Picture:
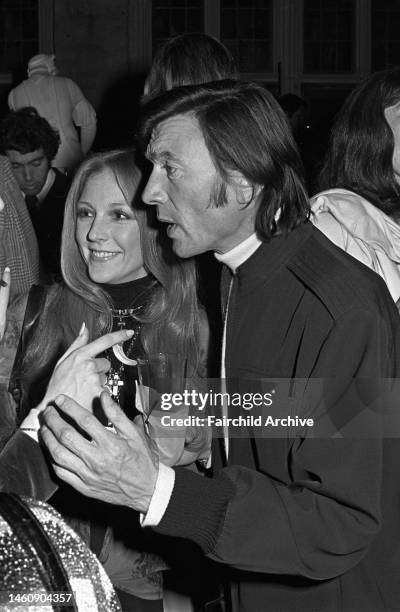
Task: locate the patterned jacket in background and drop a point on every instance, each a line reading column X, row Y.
column 18, row 244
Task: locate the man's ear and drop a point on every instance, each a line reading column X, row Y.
column 246, row 191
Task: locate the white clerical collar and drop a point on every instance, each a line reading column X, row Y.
column 238, row 255
column 48, row 184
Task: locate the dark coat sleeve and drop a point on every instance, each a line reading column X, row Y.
column 24, row 469
column 320, row 522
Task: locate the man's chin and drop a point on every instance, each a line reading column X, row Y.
column 184, row 251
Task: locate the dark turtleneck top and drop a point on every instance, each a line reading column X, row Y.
column 130, row 294
column 133, row 295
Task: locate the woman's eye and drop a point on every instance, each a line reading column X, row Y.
column 84, row 213
column 121, row 215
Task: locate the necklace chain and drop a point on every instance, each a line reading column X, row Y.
column 126, row 312
column 115, row 376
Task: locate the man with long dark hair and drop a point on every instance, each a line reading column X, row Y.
column 300, row 519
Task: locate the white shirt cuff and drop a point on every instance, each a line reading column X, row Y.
column 161, row 496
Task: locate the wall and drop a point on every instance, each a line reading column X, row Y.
column 101, row 44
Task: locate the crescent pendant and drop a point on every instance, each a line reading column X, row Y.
column 120, row 355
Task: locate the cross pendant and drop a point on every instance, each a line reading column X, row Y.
column 114, row 384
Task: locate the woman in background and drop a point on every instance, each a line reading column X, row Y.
column 358, row 206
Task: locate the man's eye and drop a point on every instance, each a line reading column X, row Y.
column 37, row 163
column 170, row 170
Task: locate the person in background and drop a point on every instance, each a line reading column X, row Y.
column 296, row 111
column 193, row 59
column 358, row 204
column 7, row 405
column 189, row 59
column 18, row 244
column 31, row 144
column 297, row 519
column 59, row 100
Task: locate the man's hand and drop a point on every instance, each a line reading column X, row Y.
column 118, row 468
column 4, row 298
column 79, row 374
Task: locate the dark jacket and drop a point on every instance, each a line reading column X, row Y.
column 47, row 219
column 298, row 522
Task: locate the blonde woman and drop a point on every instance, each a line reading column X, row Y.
column 121, row 276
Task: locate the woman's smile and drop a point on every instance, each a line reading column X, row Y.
column 102, row 255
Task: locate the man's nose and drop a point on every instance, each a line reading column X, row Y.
column 153, row 193
column 27, row 173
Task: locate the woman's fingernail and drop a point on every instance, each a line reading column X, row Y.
column 59, row 400
column 82, row 329
column 129, row 333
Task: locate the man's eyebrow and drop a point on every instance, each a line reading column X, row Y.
column 157, row 156
column 19, row 163
column 32, row 161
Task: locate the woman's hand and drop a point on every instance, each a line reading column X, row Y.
column 4, row 298
column 79, row 373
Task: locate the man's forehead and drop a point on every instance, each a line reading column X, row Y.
column 17, row 157
column 172, row 134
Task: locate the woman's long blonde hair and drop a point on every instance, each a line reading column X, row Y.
column 171, row 321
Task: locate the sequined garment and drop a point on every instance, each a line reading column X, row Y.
column 20, row 569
